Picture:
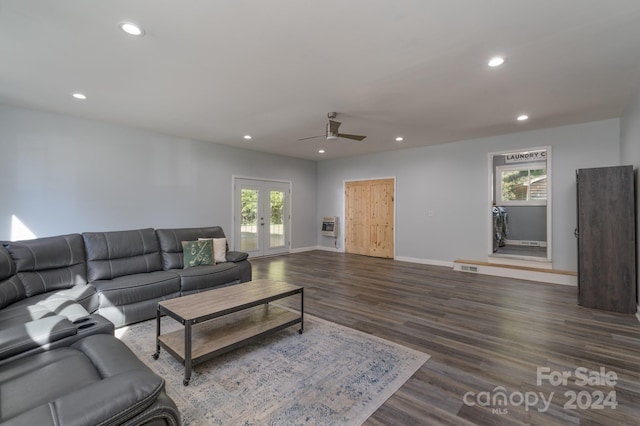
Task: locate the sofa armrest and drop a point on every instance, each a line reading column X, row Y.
column 236, row 256
column 23, row 337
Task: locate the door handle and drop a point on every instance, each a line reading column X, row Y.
column 576, row 233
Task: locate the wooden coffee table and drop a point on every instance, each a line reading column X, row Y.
column 222, row 319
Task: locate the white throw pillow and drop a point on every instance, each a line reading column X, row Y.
column 219, row 249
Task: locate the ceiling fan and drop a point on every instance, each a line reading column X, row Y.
column 332, row 131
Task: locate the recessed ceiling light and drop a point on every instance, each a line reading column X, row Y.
column 247, row 137
column 80, row 96
column 399, row 139
column 131, row 29
column 321, row 151
column 496, row 61
column 523, row 117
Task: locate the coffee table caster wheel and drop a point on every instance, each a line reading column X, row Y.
column 186, row 382
column 300, row 331
column 156, row 355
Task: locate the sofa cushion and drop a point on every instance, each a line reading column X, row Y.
column 207, row 277
column 84, row 295
column 136, row 288
column 97, row 380
column 11, row 288
column 22, row 385
column 33, row 334
column 171, row 242
column 7, row 265
column 197, row 253
column 41, row 306
column 49, row 263
column 115, row 254
column 11, row 291
column 133, row 312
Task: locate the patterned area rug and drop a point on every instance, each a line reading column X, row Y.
column 329, row 375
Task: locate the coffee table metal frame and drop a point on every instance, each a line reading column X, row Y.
column 286, row 319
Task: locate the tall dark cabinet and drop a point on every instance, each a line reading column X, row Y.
column 606, row 239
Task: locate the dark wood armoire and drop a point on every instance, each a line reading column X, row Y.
column 606, row 239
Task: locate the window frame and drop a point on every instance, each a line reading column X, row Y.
column 519, row 167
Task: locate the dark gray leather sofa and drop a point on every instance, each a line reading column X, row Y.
column 95, row 381
column 59, row 361
column 59, row 300
column 45, row 300
column 192, row 280
column 133, row 270
column 125, row 267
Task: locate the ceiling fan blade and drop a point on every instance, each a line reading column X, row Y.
column 334, row 126
column 354, row 137
column 312, row 137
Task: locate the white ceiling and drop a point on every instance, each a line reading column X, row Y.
column 217, row 70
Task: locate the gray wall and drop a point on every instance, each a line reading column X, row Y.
column 630, row 154
column 452, row 181
column 63, row 175
column 527, row 223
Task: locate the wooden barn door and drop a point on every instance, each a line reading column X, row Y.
column 369, row 217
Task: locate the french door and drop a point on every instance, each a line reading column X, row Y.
column 261, row 216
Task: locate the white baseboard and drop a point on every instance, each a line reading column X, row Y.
column 425, row 261
column 303, row 249
column 332, row 249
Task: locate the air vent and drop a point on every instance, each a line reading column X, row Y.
column 468, row 268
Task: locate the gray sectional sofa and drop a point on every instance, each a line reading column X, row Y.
column 133, row 270
column 61, row 298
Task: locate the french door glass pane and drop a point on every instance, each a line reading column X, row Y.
column 276, row 225
column 249, row 220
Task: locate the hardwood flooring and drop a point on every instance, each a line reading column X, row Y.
column 482, row 333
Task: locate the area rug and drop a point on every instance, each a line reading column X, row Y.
column 329, row 375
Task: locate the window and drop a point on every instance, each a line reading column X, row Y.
column 522, row 184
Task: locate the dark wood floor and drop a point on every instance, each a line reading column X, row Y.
column 482, row 332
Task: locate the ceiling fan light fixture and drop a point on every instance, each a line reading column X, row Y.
column 332, row 132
